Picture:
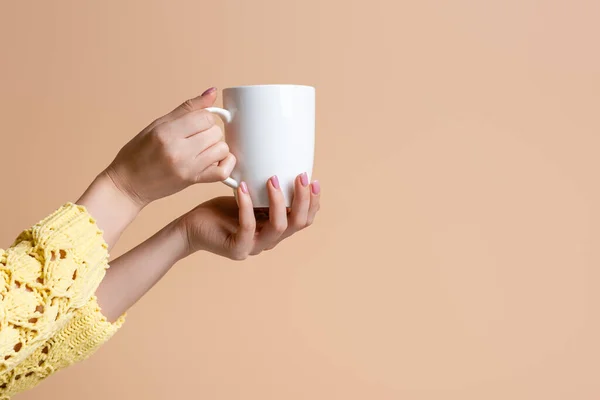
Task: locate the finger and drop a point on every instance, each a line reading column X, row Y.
column 206, row 99
column 200, row 142
column 298, row 217
column 298, row 214
column 277, row 224
column 243, row 239
column 315, row 199
column 214, row 154
column 218, row 171
column 189, row 124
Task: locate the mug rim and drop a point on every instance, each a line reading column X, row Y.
column 268, row 85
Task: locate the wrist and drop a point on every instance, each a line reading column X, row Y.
column 110, row 207
column 119, row 183
column 181, row 227
column 179, row 232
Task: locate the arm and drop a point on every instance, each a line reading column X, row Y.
column 51, row 272
column 135, row 272
column 175, row 151
column 110, row 206
column 89, row 326
column 219, row 226
column 54, row 268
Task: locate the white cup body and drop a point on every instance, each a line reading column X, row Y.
column 271, row 132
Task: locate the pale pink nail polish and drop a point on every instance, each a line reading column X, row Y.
column 275, row 181
column 244, row 187
column 304, row 179
column 209, row 91
column 316, row 187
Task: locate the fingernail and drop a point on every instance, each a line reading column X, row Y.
column 275, row 181
column 244, row 187
column 209, row 91
column 316, row 187
column 304, row 179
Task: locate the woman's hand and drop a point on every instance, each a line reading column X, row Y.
column 218, row 226
column 223, row 228
column 175, row 151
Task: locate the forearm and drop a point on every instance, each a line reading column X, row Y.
column 110, row 207
column 134, row 273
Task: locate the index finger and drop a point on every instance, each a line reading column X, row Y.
column 206, row 99
column 244, row 237
column 191, row 123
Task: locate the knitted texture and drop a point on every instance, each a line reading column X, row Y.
column 79, row 339
column 49, row 273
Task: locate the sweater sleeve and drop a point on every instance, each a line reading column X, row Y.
column 50, row 272
column 79, row 339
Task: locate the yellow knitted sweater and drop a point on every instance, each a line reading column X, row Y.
column 49, row 317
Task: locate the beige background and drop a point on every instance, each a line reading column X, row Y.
column 458, row 248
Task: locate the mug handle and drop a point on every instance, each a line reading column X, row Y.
column 226, row 117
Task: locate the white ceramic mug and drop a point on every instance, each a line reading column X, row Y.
column 271, row 131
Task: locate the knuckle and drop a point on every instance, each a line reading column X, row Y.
column 189, row 178
column 217, row 153
column 222, row 150
column 154, row 124
column 280, row 227
column 214, row 134
column 172, row 157
column 248, row 226
column 160, row 135
column 271, row 246
column 297, row 224
column 222, row 174
column 188, row 105
column 184, row 175
column 239, row 255
column 224, row 147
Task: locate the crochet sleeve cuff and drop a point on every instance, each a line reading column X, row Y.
column 49, row 272
column 76, row 341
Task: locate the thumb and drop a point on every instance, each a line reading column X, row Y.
column 206, row 99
